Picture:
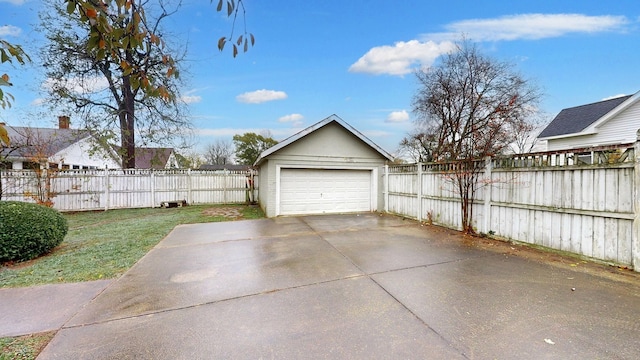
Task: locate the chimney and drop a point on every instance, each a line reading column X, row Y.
column 63, row 122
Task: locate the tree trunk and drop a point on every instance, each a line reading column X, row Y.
column 127, row 125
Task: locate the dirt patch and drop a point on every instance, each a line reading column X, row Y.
column 229, row 212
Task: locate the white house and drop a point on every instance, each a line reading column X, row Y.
column 65, row 148
column 61, row 148
column 609, row 122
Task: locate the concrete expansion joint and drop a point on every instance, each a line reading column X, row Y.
column 163, row 311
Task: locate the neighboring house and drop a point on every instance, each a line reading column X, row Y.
column 329, row 167
column 61, row 148
column 65, row 148
column 608, row 122
column 156, row 158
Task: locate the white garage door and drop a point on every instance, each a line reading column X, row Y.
column 315, row 191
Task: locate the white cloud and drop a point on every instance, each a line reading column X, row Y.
column 9, row 30
column 533, row 26
column 401, row 57
column 398, row 116
column 191, row 99
column 260, row 96
column 294, row 119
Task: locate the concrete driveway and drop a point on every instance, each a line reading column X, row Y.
column 349, row 286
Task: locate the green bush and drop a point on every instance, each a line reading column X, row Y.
column 29, row 230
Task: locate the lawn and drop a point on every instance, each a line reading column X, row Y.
column 24, row 347
column 105, row 244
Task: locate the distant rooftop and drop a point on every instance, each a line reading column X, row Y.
column 575, row 119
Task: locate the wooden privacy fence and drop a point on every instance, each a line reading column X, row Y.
column 78, row 190
column 585, row 201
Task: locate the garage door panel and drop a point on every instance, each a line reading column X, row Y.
column 316, row 191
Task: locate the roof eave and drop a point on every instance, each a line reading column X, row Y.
column 613, row 112
column 564, row 136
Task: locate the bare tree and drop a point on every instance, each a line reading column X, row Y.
column 419, row 145
column 470, row 103
column 36, row 150
column 526, row 133
column 220, row 152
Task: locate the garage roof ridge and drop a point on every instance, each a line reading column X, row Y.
column 316, row 126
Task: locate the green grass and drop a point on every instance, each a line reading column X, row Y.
column 24, row 347
column 103, row 245
column 99, row 245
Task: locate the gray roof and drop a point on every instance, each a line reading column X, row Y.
column 333, row 118
column 29, row 142
column 152, row 158
column 576, row 119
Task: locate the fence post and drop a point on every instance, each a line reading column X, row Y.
column 106, row 188
column 419, row 191
column 635, row 236
column 189, row 187
column 224, row 186
column 487, row 195
column 152, row 183
column 386, row 188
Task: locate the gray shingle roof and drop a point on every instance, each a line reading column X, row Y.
column 32, row 141
column 152, row 158
column 574, row 120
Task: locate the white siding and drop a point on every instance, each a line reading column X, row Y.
column 620, row 129
column 85, row 154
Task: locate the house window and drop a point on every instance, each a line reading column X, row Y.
column 31, row 165
column 6, row 165
column 65, row 166
column 76, row 167
column 53, row 165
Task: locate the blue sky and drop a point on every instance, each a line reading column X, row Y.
column 355, row 59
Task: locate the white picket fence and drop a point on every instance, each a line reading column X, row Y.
column 543, row 199
column 79, row 190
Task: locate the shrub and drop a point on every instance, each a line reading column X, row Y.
column 29, row 230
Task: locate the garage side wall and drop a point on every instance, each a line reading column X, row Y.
column 330, row 147
column 263, row 183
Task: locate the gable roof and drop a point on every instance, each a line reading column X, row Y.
column 152, row 158
column 576, row 119
column 32, row 141
column 316, row 126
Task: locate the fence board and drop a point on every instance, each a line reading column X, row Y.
column 78, row 190
column 547, row 200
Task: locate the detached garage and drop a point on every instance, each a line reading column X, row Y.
column 326, row 168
